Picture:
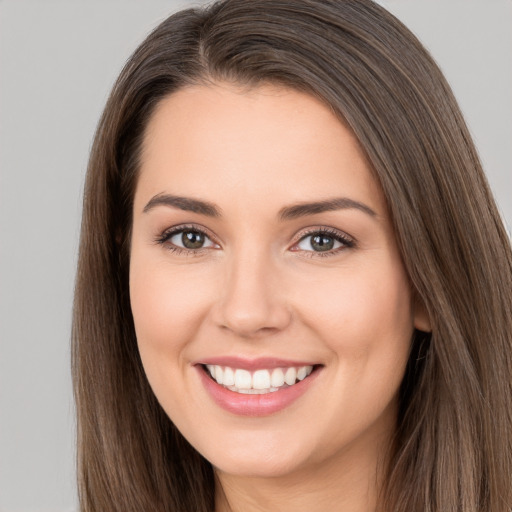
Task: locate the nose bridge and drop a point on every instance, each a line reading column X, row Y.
column 252, row 302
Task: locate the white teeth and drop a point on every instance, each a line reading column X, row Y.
column 253, row 391
column 229, row 377
column 243, row 379
column 277, row 378
column 219, row 373
column 290, row 376
column 261, row 381
column 302, row 373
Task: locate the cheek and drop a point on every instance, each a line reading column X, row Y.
column 365, row 319
column 362, row 314
column 167, row 306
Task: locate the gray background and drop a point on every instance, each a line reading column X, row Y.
column 58, row 60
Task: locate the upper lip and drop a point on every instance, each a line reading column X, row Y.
column 252, row 364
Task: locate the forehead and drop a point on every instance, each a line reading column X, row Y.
column 271, row 142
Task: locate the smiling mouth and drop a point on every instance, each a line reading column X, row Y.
column 258, row 382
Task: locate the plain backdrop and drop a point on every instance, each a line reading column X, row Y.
column 58, row 60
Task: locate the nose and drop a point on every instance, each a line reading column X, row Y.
column 252, row 301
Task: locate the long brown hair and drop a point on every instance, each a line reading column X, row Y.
column 453, row 446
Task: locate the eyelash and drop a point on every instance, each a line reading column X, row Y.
column 164, row 238
column 346, row 241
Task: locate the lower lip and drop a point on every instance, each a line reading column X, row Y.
column 255, row 405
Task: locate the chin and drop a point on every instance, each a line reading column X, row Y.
column 259, row 458
column 258, row 467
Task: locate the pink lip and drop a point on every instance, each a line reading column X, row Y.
column 259, row 363
column 255, row 405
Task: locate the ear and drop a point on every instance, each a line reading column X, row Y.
column 421, row 318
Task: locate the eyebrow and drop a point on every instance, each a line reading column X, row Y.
column 337, row 203
column 183, row 203
column 189, row 204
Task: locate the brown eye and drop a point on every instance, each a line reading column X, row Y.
column 192, row 239
column 188, row 239
column 323, row 242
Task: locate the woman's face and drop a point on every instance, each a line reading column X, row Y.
column 262, row 253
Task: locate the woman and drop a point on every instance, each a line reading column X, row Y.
column 294, row 288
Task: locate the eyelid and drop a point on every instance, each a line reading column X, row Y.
column 164, row 237
column 348, row 241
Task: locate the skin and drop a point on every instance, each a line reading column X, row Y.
column 259, row 288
